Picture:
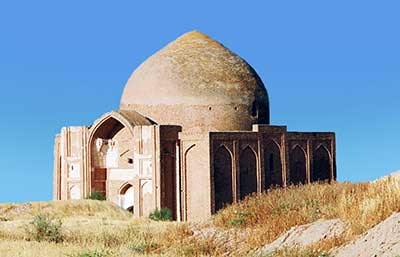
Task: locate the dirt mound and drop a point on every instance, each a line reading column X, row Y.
column 394, row 175
column 305, row 235
column 383, row 240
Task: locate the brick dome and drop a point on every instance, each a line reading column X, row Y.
column 199, row 84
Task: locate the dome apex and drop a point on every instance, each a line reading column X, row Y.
column 194, row 34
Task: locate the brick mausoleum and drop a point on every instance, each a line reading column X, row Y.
column 192, row 134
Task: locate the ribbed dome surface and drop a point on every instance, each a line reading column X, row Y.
column 197, row 76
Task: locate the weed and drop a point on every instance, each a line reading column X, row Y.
column 290, row 252
column 164, row 214
column 137, row 247
column 239, row 220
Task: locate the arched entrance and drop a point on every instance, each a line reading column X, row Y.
column 111, row 147
column 127, row 198
column 222, row 178
column 248, row 172
column 272, row 165
column 321, row 165
column 298, row 168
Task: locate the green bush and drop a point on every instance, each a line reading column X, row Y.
column 96, row 195
column 164, row 214
column 43, row 228
column 239, row 220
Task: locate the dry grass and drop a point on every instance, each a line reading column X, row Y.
column 97, row 227
column 320, row 249
column 93, row 226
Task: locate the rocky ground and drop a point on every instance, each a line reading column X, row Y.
column 305, row 235
column 383, row 240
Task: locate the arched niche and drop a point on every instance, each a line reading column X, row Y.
column 321, row 169
column 197, row 182
column 272, row 165
column 74, row 192
column 248, row 172
column 146, row 199
column 298, row 168
column 222, row 178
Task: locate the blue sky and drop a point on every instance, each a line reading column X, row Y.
column 328, row 66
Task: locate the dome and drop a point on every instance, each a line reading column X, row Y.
column 197, row 83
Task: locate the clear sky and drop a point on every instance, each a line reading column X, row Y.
column 328, row 66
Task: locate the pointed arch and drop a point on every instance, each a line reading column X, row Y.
column 102, row 150
column 223, row 191
column 188, row 149
column 124, row 187
column 127, row 119
column 321, row 170
column 272, row 165
column 298, row 166
column 248, row 172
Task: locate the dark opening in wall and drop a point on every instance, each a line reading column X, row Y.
column 298, row 167
column 223, row 193
column 321, row 169
column 248, row 172
column 271, row 162
column 273, row 166
column 254, row 109
column 130, row 160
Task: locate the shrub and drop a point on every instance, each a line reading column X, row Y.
column 94, row 253
column 138, row 247
column 164, row 214
column 43, row 228
column 96, row 195
column 290, row 252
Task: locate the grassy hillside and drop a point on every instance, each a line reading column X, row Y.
column 63, row 209
column 361, row 206
column 100, row 229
